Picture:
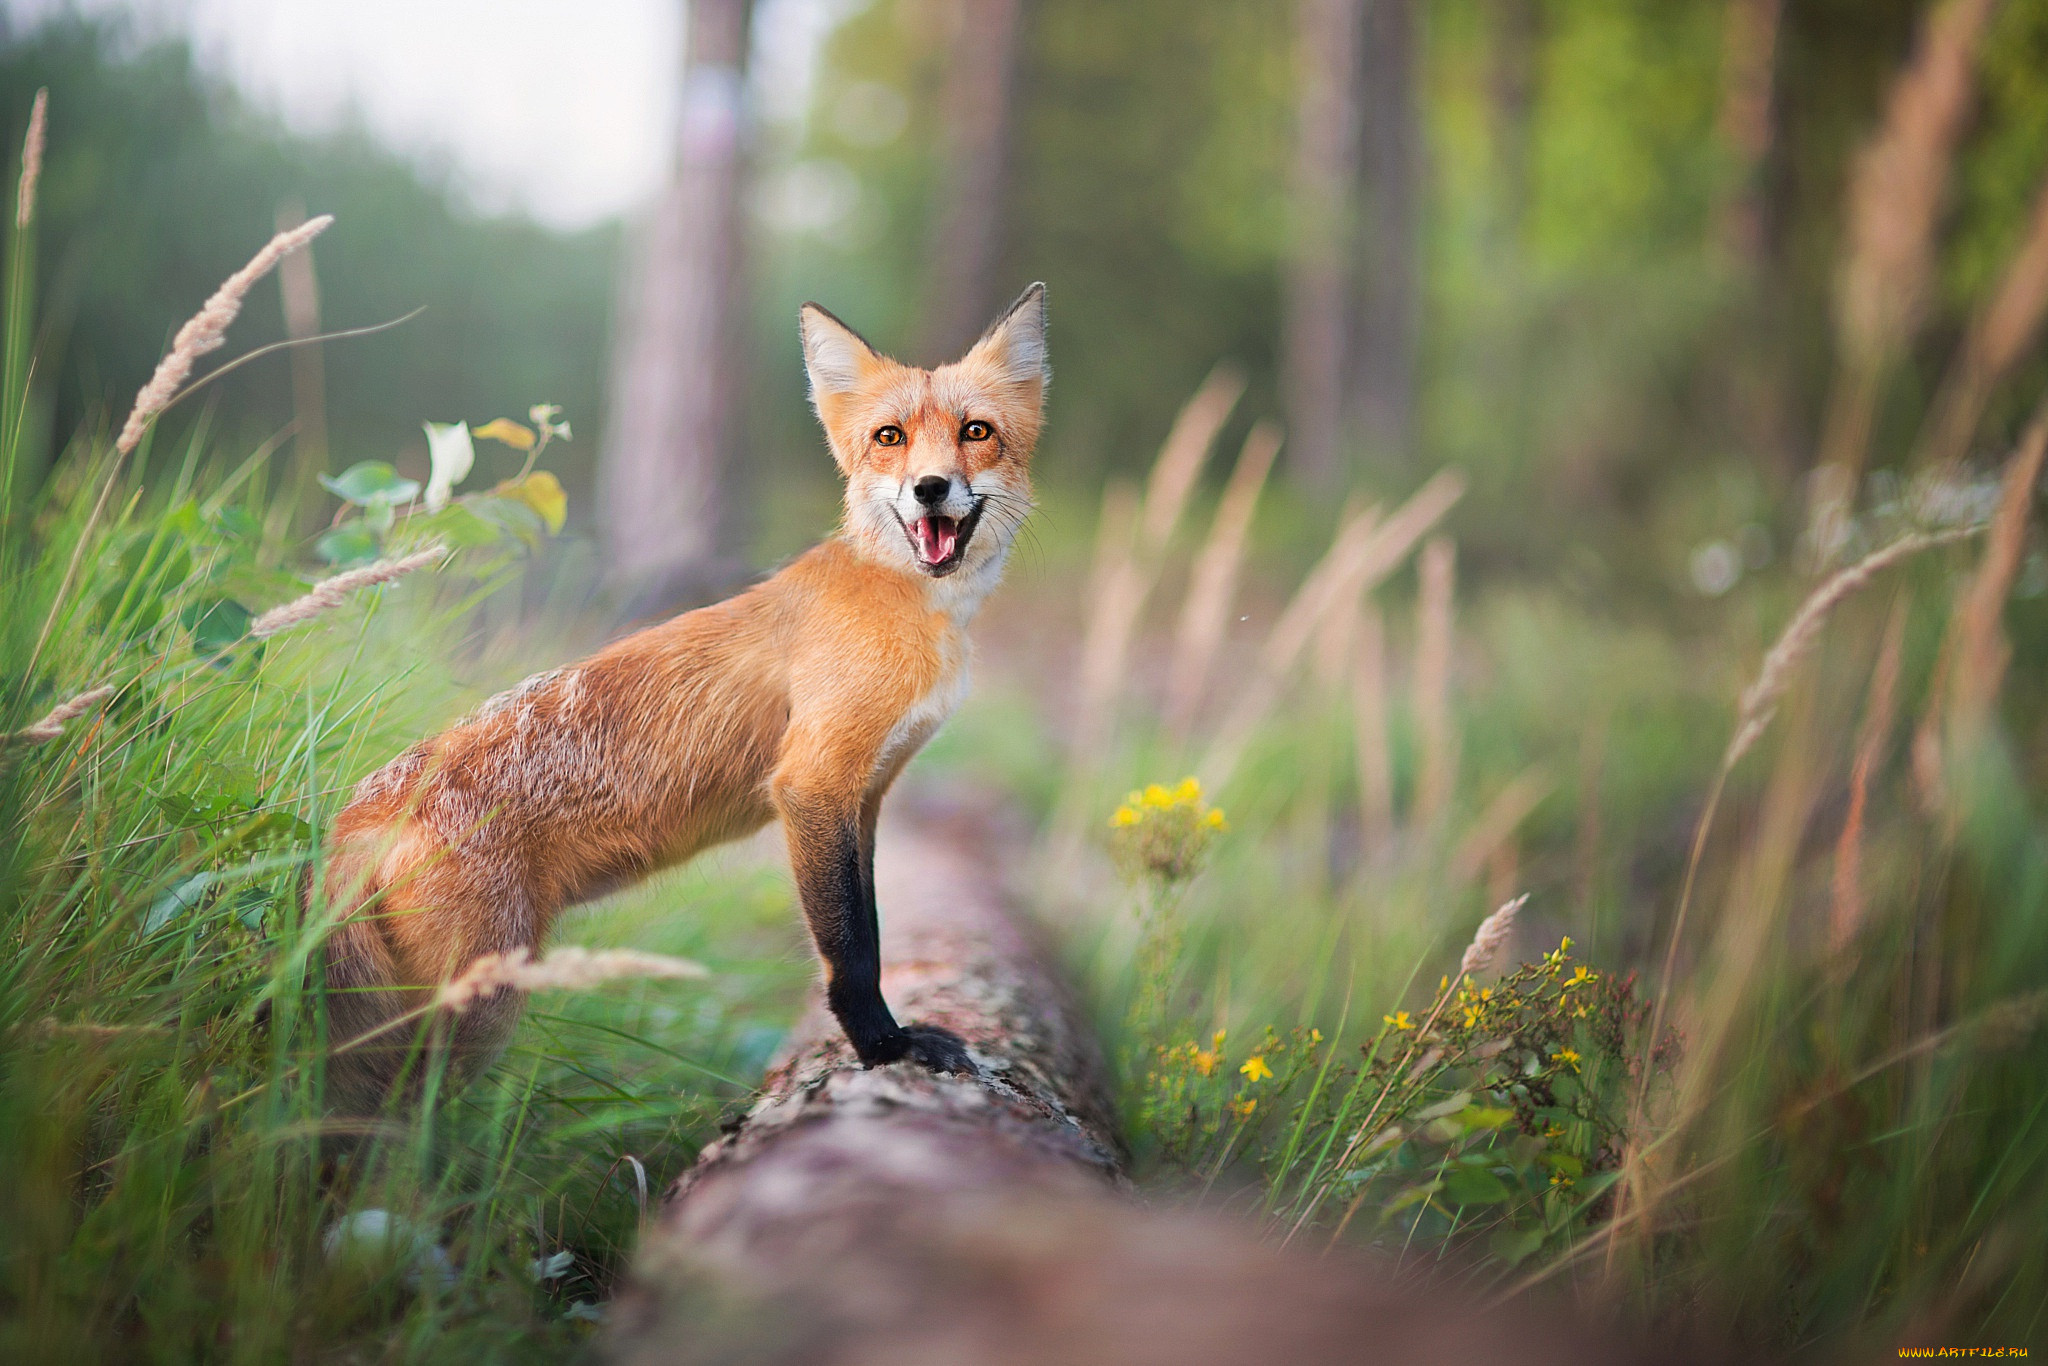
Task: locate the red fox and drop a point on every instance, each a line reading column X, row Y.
column 801, row 698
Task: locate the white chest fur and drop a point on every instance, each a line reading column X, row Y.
column 924, row 717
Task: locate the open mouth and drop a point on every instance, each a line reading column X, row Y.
column 940, row 542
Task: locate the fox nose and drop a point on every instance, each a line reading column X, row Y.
column 932, row 489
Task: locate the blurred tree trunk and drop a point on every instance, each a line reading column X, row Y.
column 1511, row 89
column 299, row 288
column 1326, row 170
column 1749, row 53
column 1757, row 401
column 672, row 534
column 960, row 292
column 1389, row 294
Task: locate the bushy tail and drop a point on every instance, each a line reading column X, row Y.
column 384, row 1037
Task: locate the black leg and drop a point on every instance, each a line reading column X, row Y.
column 834, row 868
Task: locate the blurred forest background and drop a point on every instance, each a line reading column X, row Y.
column 1644, row 317
column 1587, row 253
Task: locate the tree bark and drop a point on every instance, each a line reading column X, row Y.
column 1389, row 298
column 1317, row 340
column 672, row 529
column 967, row 240
column 856, row 1218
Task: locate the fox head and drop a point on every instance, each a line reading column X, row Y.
column 937, row 462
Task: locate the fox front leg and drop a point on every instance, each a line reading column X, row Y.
column 834, row 867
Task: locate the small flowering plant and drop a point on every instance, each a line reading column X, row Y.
column 380, row 507
column 1495, row 1116
column 1163, row 833
column 1159, row 837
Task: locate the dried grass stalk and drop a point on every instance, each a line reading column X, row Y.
column 330, row 593
column 1971, row 667
column 1431, row 702
column 1749, row 47
column 207, row 329
column 1497, row 824
column 63, row 714
column 1213, row 584
column 32, row 159
column 1490, row 938
column 566, row 969
column 1982, row 652
column 1360, row 557
column 1341, row 565
column 1369, row 731
column 1845, row 911
column 1180, row 459
column 1895, row 196
column 1900, row 179
column 1998, row 337
column 1760, row 699
column 1127, row 567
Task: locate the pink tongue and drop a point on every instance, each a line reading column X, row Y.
column 936, row 536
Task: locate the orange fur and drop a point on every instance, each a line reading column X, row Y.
column 800, row 699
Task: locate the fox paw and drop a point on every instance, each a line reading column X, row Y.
column 939, row 1050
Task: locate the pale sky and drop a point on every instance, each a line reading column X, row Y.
column 559, row 108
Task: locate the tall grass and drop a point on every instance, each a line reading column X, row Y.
column 170, row 756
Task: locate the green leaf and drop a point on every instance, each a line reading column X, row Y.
column 237, row 523
column 180, row 899
column 1412, row 1196
column 371, row 481
column 347, row 545
column 1485, row 1117
column 1513, row 1246
column 216, row 625
column 454, row 526
column 1445, row 1107
column 515, row 517
column 1563, row 1162
column 1473, row 1186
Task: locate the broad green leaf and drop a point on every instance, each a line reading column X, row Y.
column 1413, row 1195
column 509, row 513
column 371, row 481
column 353, row 543
column 1445, row 1107
column 180, row 899
column 1513, row 1246
column 1473, row 1186
column 456, row 526
column 216, row 625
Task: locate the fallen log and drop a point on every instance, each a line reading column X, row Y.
column 859, row 1217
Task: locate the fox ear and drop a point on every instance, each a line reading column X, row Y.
column 1015, row 342
column 834, row 354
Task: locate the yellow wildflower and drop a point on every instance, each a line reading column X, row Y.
column 1580, row 976
column 1204, row 1061
column 1124, row 816
column 1214, row 820
column 1399, row 1020
column 1255, row 1068
column 1567, row 1056
column 1156, row 796
column 1553, row 1131
column 1189, row 791
column 1216, row 1039
column 1243, row 1108
column 1560, row 1180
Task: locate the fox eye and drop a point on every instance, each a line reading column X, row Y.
column 976, row 431
column 891, row 435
